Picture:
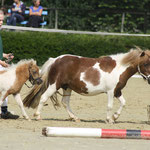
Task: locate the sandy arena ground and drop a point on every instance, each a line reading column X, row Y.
column 26, row 135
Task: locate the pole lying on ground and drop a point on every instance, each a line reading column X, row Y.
column 96, row 133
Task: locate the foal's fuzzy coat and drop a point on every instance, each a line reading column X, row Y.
column 13, row 78
column 88, row 76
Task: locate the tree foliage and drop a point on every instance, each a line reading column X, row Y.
column 94, row 15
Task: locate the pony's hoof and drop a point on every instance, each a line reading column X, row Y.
column 29, row 119
column 74, row 119
column 70, row 119
column 35, row 115
column 115, row 116
column 110, row 121
column 77, row 120
column 38, row 117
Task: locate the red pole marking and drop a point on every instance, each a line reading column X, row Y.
column 145, row 134
column 113, row 133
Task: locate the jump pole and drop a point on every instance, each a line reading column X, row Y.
column 95, row 133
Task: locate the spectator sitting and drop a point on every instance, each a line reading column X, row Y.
column 17, row 13
column 35, row 14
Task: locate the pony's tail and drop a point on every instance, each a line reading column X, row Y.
column 33, row 98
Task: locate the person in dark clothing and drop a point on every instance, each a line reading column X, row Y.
column 35, row 14
column 17, row 13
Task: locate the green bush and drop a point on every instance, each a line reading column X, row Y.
column 41, row 46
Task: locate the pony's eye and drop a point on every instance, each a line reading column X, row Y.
column 34, row 72
column 145, row 65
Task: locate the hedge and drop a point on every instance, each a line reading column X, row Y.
column 41, row 46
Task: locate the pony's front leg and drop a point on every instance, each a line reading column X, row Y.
column 109, row 118
column 122, row 104
column 19, row 101
column 65, row 102
column 49, row 92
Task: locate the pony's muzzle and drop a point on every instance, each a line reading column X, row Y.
column 38, row 81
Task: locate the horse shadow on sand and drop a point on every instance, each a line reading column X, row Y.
column 68, row 120
column 97, row 121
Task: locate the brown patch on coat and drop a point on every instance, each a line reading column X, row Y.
column 92, row 75
column 123, row 80
column 66, row 71
column 107, row 64
column 22, row 76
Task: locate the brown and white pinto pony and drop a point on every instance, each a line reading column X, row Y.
column 89, row 76
column 13, row 78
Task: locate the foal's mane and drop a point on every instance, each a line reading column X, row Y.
column 21, row 62
column 132, row 57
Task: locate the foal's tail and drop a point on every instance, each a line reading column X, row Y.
column 33, row 98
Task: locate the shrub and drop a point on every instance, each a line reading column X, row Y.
column 41, row 45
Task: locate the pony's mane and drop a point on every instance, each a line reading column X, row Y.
column 132, row 57
column 46, row 65
column 21, row 62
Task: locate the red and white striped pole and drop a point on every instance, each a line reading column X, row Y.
column 96, row 133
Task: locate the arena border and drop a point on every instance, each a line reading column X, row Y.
column 96, row 133
column 18, row 28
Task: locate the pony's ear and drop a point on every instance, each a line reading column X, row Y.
column 142, row 54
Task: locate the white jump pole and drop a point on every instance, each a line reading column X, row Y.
column 71, row 132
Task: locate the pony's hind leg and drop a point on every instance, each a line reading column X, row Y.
column 65, row 102
column 122, row 104
column 19, row 101
column 49, row 92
